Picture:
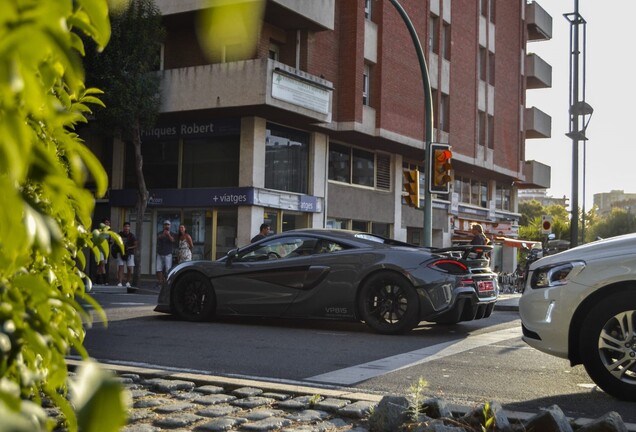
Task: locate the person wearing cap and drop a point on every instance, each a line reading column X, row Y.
column 165, row 246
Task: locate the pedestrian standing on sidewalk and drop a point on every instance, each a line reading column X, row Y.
column 184, row 251
column 165, row 246
column 262, row 233
column 128, row 258
column 102, row 273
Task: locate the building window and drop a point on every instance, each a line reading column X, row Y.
column 484, row 7
column 481, row 128
column 286, row 159
column 471, row 191
column 502, row 197
column 444, row 113
column 358, row 167
column 363, row 168
column 492, row 11
column 367, row 9
column 433, row 33
column 339, row 163
column 491, row 68
column 360, row 225
column 210, row 162
column 334, row 223
column 491, row 132
column 161, row 165
column 446, row 41
column 366, row 83
column 274, row 51
column 483, row 63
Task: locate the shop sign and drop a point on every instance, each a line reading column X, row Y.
column 308, row 203
column 300, row 92
column 193, row 129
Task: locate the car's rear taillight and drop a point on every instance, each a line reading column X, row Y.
column 450, row 266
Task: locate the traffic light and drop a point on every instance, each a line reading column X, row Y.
column 440, row 167
column 412, row 187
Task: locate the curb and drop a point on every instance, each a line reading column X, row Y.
column 297, row 389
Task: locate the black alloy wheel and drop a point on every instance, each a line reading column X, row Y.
column 389, row 304
column 608, row 345
column 193, row 297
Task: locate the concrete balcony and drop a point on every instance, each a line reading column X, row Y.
column 538, row 72
column 290, row 14
column 246, row 84
column 539, row 22
column 537, row 123
column 537, row 175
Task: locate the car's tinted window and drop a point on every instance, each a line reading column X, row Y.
column 289, row 247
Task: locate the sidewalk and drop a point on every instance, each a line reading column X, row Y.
column 508, row 302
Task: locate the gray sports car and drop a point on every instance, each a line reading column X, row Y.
column 332, row 274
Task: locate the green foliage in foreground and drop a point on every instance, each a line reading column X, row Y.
column 45, row 213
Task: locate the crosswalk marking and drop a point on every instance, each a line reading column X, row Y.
column 355, row 374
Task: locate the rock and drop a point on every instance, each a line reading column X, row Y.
column 390, row 414
column 610, row 422
column 550, row 420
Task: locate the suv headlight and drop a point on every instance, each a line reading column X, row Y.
column 555, row 274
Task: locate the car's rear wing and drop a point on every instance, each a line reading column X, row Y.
column 477, row 257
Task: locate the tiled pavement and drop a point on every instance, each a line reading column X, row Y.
column 168, row 401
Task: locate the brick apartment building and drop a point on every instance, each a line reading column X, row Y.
column 316, row 127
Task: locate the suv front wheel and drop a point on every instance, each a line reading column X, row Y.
column 608, row 345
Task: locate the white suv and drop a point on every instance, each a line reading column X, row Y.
column 581, row 305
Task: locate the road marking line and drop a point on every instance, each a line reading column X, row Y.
column 355, row 374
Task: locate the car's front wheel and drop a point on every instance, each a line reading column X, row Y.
column 608, row 345
column 389, row 304
column 193, row 297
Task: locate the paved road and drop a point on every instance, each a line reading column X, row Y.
column 464, row 364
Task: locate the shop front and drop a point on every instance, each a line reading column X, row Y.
column 210, row 216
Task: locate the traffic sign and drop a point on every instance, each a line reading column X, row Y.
column 546, row 224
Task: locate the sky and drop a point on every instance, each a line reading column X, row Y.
column 610, row 152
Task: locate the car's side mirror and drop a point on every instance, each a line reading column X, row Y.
column 231, row 254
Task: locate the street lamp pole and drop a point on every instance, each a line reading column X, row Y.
column 428, row 121
column 578, row 108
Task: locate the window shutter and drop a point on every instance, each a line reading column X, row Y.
column 383, row 172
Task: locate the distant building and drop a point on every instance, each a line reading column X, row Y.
column 541, row 196
column 606, row 201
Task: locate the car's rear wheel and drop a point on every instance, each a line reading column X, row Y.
column 389, row 304
column 608, row 345
column 193, row 297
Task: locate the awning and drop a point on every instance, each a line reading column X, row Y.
column 517, row 243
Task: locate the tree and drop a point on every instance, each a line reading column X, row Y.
column 618, row 222
column 46, row 215
column 530, row 223
column 125, row 71
column 530, row 210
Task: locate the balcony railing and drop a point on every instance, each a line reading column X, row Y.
column 539, row 22
column 250, row 84
column 538, row 72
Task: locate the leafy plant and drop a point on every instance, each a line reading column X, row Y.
column 46, row 210
column 416, row 397
column 489, row 418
